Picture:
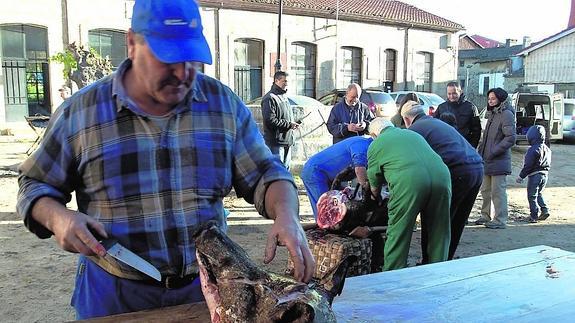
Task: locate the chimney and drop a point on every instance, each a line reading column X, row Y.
column 527, row 40
column 571, row 23
column 511, row 42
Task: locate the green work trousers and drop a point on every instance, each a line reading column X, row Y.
column 426, row 191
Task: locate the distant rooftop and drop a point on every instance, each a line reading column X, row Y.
column 548, row 40
column 490, row 54
column 382, row 12
column 486, row 42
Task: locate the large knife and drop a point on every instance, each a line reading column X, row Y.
column 116, row 250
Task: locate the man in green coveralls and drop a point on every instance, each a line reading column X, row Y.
column 419, row 182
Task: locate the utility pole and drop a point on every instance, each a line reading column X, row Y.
column 278, row 65
column 336, row 43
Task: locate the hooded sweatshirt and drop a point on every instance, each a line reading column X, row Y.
column 538, row 156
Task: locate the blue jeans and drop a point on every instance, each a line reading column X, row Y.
column 98, row 293
column 283, row 153
column 535, row 186
column 316, row 183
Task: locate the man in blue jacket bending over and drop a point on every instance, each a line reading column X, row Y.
column 463, row 161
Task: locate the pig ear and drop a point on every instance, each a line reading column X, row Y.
column 290, row 311
column 332, row 282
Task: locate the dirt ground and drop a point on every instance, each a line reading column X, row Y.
column 36, row 277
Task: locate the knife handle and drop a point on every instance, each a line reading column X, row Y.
column 106, row 242
column 95, row 234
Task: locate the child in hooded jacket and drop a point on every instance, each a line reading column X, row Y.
column 536, row 168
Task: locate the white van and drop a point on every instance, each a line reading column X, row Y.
column 538, row 109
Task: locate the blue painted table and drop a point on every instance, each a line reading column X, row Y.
column 535, row 284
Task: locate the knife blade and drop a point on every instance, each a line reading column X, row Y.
column 121, row 253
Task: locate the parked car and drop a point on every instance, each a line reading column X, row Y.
column 569, row 119
column 429, row 101
column 378, row 101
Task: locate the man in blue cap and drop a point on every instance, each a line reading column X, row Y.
column 151, row 151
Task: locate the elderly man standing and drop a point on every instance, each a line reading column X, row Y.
column 349, row 117
column 278, row 119
column 418, row 183
column 466, row 114
column 463, row 161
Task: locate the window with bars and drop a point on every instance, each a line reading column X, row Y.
column 424, row 71
column 25, row 70
column 390, row 64
column 248, row 68
column 303, row 66
column 351, row 65
column 109, row 43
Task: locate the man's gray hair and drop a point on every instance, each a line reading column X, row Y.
column 411, row 109
column 354, row 86
column 377, row 125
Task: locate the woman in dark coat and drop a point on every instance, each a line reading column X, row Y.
column 495, row 149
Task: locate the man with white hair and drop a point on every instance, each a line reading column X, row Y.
column 418, row 183
column 349, row 117
column 463, row 161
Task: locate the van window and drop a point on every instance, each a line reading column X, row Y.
column 556, row 108
column 569, row 109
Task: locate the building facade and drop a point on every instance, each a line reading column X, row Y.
column 551, row 62
column 323, row 45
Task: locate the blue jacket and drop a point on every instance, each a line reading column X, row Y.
column 538, row 156
column 335, row 158
column 342, row 114
column 455, row 151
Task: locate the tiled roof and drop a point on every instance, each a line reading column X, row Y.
column 384, row 12
column 486, row 42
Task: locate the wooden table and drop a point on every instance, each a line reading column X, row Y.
column 535, row 284
column 196, row 312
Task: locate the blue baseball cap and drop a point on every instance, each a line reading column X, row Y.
column 173, row 30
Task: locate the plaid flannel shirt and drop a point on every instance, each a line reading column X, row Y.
column 150, row 187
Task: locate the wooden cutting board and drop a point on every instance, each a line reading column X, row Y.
column 196, row 312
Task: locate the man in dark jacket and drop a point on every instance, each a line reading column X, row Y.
column 536, row 167
column 278, row 119
column 349, row 117
column 466, row 114
column 495, row 148
column 464, row 163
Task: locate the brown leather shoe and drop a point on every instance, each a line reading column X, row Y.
column 543, row 216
